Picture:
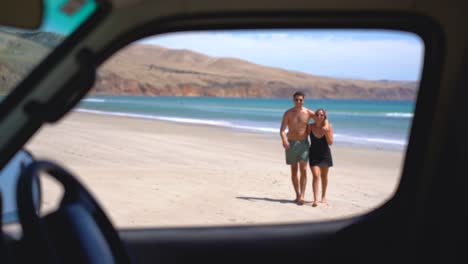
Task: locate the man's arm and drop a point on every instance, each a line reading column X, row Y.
column 312, row 114
column 284, row 124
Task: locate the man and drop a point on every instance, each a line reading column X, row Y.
column 295, row 142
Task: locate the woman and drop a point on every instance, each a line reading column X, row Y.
column 320, row 159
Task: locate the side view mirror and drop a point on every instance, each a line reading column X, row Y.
column 9, row 176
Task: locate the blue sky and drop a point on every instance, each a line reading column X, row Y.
column 357, row 54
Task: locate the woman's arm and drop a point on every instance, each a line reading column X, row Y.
column 329, row 134
column 326, row 124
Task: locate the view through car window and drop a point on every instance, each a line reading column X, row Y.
column 243, row 127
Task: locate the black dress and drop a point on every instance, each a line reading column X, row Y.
column 319, row 152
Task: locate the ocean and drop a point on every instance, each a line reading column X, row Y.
column 359, row 123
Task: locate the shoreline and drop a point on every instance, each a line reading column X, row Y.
column 154, row 173
column 240, row 130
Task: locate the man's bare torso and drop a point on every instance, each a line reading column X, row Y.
column 297, row 121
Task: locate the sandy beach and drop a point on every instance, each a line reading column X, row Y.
column 156, row 173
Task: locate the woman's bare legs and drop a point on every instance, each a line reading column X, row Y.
column 324, row 178
column 315, row 183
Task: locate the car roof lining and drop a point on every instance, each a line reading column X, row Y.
column 13, row 14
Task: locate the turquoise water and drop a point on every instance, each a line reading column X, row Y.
column 366, row 123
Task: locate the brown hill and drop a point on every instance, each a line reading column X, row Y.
column 18, row 56
column 154, row 70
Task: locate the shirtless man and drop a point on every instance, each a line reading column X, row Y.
column 295, row 142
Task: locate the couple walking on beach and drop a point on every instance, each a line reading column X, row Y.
column 299, row 151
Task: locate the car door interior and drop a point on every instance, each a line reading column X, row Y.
column 383, row 235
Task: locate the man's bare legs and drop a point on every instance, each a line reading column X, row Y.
column 303, row 169
column 299, row 186
column 315, row 183
column 324, row 178
column 295, row 181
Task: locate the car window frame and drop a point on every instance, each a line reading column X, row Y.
column 429, row 30
column 425, row 27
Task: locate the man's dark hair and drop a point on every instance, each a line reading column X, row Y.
column 298, row 94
